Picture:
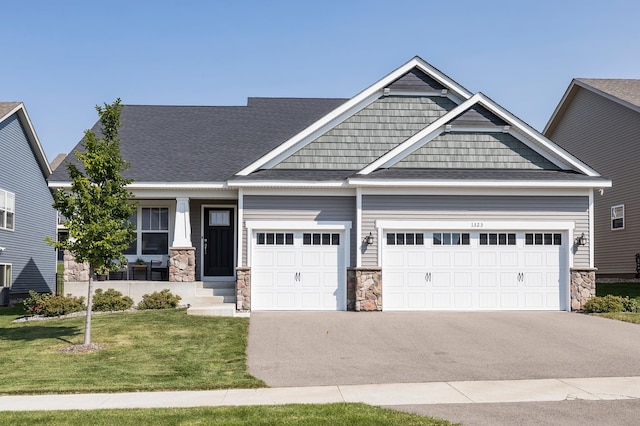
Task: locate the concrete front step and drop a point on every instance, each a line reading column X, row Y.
column 224, row 289
column 215, row 310
column 209, row 300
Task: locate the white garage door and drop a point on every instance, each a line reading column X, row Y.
column 458, row 270
column 298, row 270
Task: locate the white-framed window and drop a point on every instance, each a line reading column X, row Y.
column 7, row 210
column 5, row 275
column 617, row 217
column 152, row 231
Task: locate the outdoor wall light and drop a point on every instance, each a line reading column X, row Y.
column 2, row 249
column 369, row 239
column 581, row 240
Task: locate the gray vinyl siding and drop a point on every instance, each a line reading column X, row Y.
column 461, row 150
column 195, row 210
column 606, row 135
column 475, row 208
column 33, row 261
column 293, row 208
column 370, row 133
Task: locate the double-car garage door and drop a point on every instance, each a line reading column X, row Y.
column 422, row 269
column 462, row 270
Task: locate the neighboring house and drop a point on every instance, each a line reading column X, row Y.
column 27, row 262
column 415, row 194
column 599, row 120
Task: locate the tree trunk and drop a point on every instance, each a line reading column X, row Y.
column 87, row 323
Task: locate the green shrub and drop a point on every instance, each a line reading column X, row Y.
column 34, row 304
column 159, row 300
column 630, row 305
column 62, row 305
column 602, row 304
column 110, row 300
column 48, row 305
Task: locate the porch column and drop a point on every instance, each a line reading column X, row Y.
column 182, row 254
column 182, row 228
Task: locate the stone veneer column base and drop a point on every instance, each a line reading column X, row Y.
column 74, row 271
column 583, row 286
column 182, row 264
column 364, row 289
column 243, row 288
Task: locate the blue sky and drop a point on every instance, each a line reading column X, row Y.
column 62, row 58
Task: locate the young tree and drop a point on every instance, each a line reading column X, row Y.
column 97, row 207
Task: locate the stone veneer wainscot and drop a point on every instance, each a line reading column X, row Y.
column 364, row 289
column 583, row 286
column 243, row 288
column 182, row 264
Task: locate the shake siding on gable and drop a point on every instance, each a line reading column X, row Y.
column 472, row 208
column 297, row 208
column 476, row 150
column 606, row 136
column 370, row 133
column 33, row 261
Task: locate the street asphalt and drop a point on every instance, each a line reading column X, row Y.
column 345, row 348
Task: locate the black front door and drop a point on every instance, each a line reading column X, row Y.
column 218, row 242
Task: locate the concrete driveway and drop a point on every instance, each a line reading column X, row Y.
column 340, row 348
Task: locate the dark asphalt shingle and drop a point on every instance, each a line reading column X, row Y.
column 207, row 143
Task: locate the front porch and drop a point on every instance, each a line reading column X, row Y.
column 202, row 298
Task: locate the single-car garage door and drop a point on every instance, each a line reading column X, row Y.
column 460, row 270
column 298, row 270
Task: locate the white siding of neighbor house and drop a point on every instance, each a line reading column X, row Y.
column 606, row 136
column 480, row 208
column 298, row 208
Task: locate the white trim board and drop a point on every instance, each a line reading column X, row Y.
column 347, row 109
column 475, row 225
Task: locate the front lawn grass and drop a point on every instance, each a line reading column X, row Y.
column 145, row 351
column 299, row 414
column 633, row 317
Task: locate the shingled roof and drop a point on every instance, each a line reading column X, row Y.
column 6, row 107
column 627, row 90
column 206, row 143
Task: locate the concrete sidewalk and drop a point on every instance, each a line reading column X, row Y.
column 600, row 388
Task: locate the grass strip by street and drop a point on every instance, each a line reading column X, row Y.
column 144, row 351
column 633, row 317
column 298, row 414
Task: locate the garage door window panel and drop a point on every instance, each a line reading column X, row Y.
column 405, row 239
column 497, row 239
column 320, row 239
column 274, row 238
column 451, row 239
column 542, row 239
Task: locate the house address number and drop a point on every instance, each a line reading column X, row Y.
column 477, row 224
